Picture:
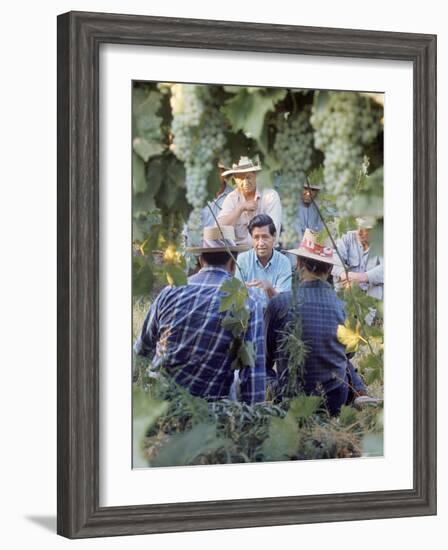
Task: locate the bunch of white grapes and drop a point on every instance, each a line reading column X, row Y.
column 198, row 129
column 293, row 147
column 343, row 124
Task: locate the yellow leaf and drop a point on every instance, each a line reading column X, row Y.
column 348, row 337
column 172, row 256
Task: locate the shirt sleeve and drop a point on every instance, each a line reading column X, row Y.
column 253, row 379
column 376, row 275
column 146, row 343
column 273, row 207
column 283, row 282
column 343, row 248
column 241, row 268
column 228, row 206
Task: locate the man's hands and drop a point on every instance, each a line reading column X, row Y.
column 248, row 206
column 264, row 285
column 353, row 277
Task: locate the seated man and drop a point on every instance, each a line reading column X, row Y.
column 263, row 268
column 364, row 269
column 326, row 369
column 307, row 214
column 182, row 331
column 245, row 202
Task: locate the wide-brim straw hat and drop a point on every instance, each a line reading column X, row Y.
column 218, row 239
column 365, row 222
column 244, row 165
column 309, row 248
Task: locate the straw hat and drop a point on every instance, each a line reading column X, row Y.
column 309, row 248
column 366, row 222
column 218, row 239
column 244, row 165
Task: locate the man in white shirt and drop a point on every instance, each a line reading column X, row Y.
column 245, row 202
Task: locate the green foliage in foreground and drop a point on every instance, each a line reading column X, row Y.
column 185, row 430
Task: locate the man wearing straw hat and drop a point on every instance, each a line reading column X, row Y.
column 245, row 202
column 326, row 370
column 183, row 332
column 364, row 268
column 307, row 214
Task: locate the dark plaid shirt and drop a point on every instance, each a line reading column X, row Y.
column 320, row 312
column 183, row 332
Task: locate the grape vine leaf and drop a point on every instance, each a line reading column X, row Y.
column 146, row 149
column 283, row 439
column 185, row 448
column 138, row 174
column 235, row 295
column 246, row 111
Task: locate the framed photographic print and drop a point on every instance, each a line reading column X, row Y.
column 246, row 274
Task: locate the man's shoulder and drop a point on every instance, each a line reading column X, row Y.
column 270, row 194
column 281, row 259
column 232, row 195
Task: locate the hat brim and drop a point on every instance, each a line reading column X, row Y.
column 302, row 253
column 315, row 187
column 241, row 170
column 212, row 250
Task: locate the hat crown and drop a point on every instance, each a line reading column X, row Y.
column 243, row 165
column 311, row 248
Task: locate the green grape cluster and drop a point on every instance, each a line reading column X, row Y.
column 343, row 124
column 293, row 147
column 198, row 137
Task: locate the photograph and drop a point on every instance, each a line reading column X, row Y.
column 257, row 274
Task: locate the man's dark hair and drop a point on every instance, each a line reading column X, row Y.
column 217, row 258
column 262, row 220
column 316, row 267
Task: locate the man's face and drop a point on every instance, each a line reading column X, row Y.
column 246, row 182
column 363, row 236
column 309, row 195
column 263, row 242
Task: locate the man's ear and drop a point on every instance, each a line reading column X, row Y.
column 201, row 261
column 232, row 266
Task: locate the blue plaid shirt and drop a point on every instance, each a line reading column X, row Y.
column 183, row 331
column 320, row 312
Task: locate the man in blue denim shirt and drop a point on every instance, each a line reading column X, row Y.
column 307, row 214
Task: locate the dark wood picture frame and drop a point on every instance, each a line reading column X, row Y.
column 79, row 38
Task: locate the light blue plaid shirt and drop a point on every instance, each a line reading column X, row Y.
column 277, row 271
column 182, row 331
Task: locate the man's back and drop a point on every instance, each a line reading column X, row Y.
column 320, row 312
column 183, row 328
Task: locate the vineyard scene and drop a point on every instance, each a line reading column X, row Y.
column 257, row 274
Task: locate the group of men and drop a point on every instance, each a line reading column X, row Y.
column 183, row 330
